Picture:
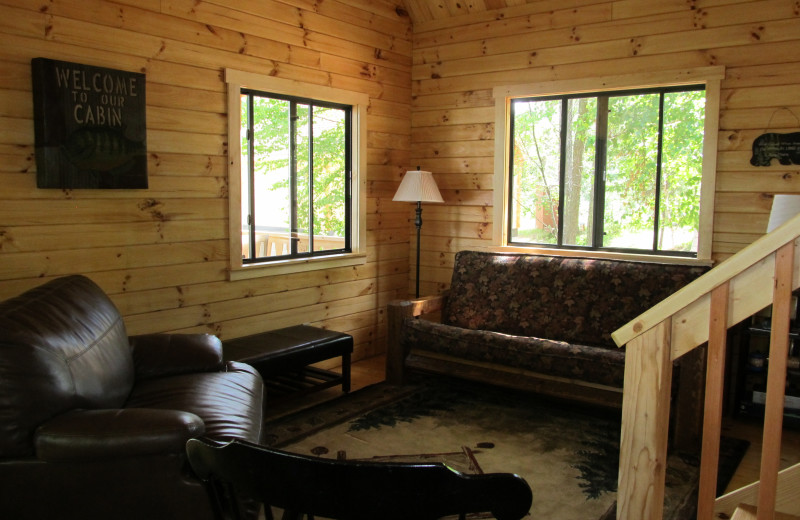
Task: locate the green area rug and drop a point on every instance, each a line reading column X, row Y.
column 568, row 454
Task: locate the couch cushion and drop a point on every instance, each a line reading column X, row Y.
column 229, row 403
column 544, row 356
column 63, row 345
column 577, row 300
column 96, row 435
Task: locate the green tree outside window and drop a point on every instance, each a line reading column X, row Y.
column 616, row 170
column 295, row 183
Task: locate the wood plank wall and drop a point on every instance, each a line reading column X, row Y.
column 161, row 253
column 458, row 60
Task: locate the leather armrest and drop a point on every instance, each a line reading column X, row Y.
column 89, row 435
column 158, row 355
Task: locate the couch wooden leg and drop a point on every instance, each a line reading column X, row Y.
column 395, row 352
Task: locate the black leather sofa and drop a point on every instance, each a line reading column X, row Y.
column 93, row 423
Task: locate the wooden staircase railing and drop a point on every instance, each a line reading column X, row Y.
column 788, row 494
column 764, row 273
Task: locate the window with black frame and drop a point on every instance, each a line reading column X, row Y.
column 615, row 171
column 296, row 177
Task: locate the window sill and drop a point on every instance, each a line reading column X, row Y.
column 607, row 255
column 297, row 265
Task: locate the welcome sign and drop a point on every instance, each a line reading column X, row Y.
column 90, row 126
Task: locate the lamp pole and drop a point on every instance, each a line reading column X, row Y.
column 418, row 223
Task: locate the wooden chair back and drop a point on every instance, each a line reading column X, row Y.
column 350, row 490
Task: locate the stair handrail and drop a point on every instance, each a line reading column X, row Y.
column 701, row 288
column 739, row 287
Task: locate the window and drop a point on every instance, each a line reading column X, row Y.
column 297, row 167
column 623, row 170
column 616, row 171
column 296, row 164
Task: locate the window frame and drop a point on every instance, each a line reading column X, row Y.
column 599, row 181
column 710, row 77
column 237, row 80
column 251, row 94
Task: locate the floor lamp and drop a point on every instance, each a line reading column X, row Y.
column 418, row 186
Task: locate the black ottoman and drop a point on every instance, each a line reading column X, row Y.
column 283, row 356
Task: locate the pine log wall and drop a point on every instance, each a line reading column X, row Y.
column 161, row 253
column 458, row 60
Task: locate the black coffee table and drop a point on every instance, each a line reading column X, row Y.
column 283, row 356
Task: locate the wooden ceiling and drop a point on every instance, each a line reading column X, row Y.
column 423, row 11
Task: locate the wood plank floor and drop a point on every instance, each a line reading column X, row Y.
column 749, row 468
column 370, row 371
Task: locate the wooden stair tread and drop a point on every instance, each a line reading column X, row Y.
column 748, row 512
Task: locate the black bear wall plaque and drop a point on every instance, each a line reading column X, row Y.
column 784, row 147
column 89, row 125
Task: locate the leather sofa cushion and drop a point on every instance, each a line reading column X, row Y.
column 225, row 401
column 163, row 355
column 72, row 342
column 89, row 435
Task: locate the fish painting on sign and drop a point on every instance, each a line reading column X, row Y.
column 90, row 126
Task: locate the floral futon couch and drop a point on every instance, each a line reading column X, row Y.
column 535, row 322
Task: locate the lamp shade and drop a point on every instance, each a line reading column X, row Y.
column 784, row 207
column 418, row 186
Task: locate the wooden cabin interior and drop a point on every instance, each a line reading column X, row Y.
column 430, row 72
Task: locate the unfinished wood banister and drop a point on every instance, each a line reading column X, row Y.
column 764, row 273
column 750, row 272
column 712, row 413
column 776, row 380
column 767, row 494
column 645, row 417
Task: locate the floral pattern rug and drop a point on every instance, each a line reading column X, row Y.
column 568, row 453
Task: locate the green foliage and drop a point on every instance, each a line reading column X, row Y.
column 272, row 159
column 631, row 142
column 536, row 168
column 631, row 164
